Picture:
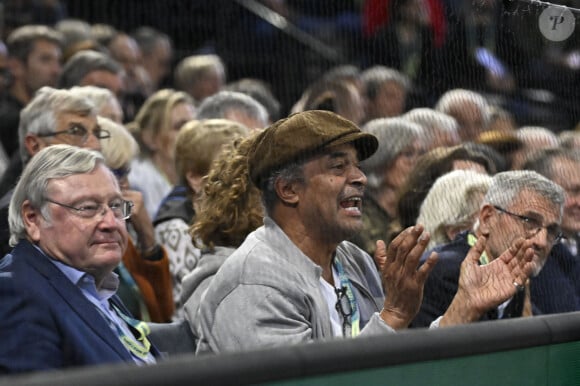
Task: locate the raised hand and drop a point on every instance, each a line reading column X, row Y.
column 403, row 279
column 140, row 219
column 484, row 287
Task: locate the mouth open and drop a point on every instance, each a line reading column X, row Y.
column 352, row 205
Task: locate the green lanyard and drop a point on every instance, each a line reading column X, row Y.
column 141, row 348
column 345, row 284
column 471, row 240
column 134, row 288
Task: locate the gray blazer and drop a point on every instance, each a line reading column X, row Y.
column 267, row 293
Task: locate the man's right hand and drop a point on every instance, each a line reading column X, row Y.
column 483, row 287
column 403, row 279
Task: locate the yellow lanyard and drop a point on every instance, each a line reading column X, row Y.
column 139, row 348
column 471, row 240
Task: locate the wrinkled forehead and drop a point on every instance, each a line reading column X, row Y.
column 100, row 178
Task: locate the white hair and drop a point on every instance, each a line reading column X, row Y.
column 453, row 201
column 435, row 124
column 536, row 135
column 452, row 98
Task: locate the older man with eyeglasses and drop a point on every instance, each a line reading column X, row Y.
column 518, row 204
column 58, row 307
column 52, row 117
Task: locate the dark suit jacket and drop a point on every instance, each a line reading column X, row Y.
column 45, row 320
column 557, row 288
column 442, row 284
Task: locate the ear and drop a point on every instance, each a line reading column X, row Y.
column 33, row 144
column 195, row 182
column 287, row 191
column 486, row 218
column 32, row 221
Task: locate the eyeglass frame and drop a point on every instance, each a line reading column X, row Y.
column 339, row 306
column 126, row 208
column 528, row 222
column 98, row 132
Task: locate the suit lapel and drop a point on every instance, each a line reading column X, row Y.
column 71, row 295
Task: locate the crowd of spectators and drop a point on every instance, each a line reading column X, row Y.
column 397, row 163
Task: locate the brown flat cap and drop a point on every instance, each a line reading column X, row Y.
column 302, row 135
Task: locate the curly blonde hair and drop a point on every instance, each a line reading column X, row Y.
column 229, row 207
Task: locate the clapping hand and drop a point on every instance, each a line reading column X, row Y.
column 403, row 279
column 484, row 287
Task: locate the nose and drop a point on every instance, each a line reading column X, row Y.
column 108, row 219
column 357, row 176
column 92, row 142
column 540, row 239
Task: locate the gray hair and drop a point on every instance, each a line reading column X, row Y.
column 373, row 78
column 528, row 134
column 453, row 201
column 98, row 95
column 147, row 38
column 433, row 123
column 20, row 42
column 74, row 31
column 190, row 69
column 293, row 172
column 543, row 160
column 223, row 102
column 52, row 162
column 569, row 139
column 261, row 92
column 506, row 186
column 394, row 135
column 85, row 62
column 452, row 98
column 39, row 116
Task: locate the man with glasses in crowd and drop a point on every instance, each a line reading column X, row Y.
column 557, row 288
column 296, row 280
column 58, row 306
column 517, row 204
column 53, row 116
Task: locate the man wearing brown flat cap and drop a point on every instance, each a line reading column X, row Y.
column 295, row 279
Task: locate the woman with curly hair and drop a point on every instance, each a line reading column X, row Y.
column 228, row 210
column 198, row 143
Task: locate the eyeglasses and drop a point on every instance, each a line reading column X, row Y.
column 121, row 209
column 80, row 132
column 343, row 307
column 533, row 226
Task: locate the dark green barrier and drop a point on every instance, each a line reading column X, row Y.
column 531, row 351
